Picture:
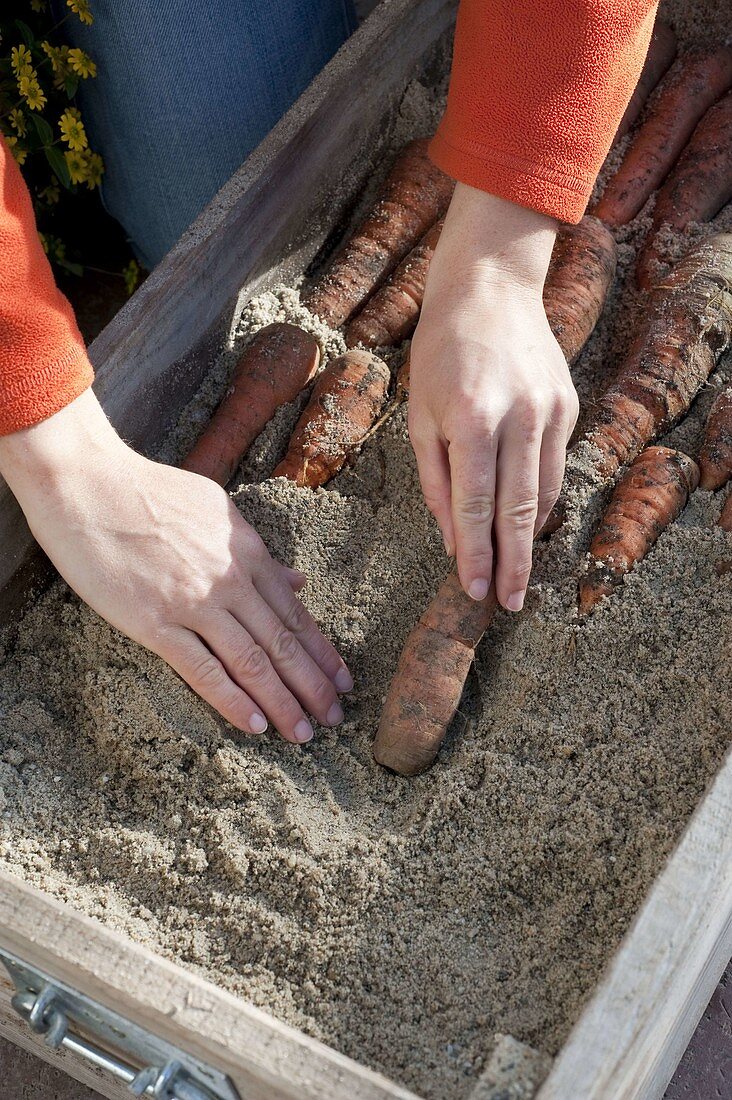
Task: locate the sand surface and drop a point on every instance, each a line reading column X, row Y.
column 405, row 922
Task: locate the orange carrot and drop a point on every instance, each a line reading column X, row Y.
column 425, row 692
column 580, row 274
column 391, row 315
column 414, row 195
column 661, row 52
column 725, row 519
column 698, row 186
column 696, row 81
column 686, row 326
column 346, row 399
column 649, row 497
column 715, row 456
column 273, row 369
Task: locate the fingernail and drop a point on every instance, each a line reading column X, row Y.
column 334, row 715
column 343, row 679
column 478, row 589
column 515, row 601
column 448, row 548
column 257, row 723
column 303, row 731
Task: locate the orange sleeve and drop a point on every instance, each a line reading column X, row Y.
column 537, row 90
column 43, row 361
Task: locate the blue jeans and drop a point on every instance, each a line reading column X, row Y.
column 185, row 89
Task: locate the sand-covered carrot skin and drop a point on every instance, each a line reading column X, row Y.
column 715, row 456
column 391, row 315
column 273, row 369
column 697, row 187
column 696, row 81
column 661, row 52
column 347, row 397
column 425, row 691
column 580, row 274
column 646, row 500
column 686, row 326
column 413, row 197
column 725, row 518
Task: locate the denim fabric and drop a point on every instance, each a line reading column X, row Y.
column 186, row 90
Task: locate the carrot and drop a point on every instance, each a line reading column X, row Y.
column 696, row 81
column 391, row 315
column 698, row 186
column 661, row 52
column 273, row 369
column 414, row 195
column 687, row 325
column 346, row 399
column 580, row 273
column 715, row 456
column 649, row 497
column 725, row 519
column 425, row 692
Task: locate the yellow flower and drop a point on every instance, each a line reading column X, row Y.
column 81, row 8
column 17, row 121
column 21, row 61
column 131, row 275
column 19, row 153
column 72, row 130
column 32, row 93
column 81, row 63
column 94, row 170
column 37, row 5
column 77, row 166
column 50, row 194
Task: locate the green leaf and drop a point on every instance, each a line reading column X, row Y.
column 26, row 33
column 44, row 131
column 59, row 166
column 71, row 83
column 75, row 269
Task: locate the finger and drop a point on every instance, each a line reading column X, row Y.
column 434, row 477
column 249, row 666
column 473, row 469
column 516, row 511
column 202, row 671
column 295, row 617
column 294, row 578
column 552, row 460
column 293, row 664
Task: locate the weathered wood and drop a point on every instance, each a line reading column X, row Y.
column 266, row 224
column 630, row 1037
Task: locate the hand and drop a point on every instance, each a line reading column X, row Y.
column 491, row 400
column 165, row 557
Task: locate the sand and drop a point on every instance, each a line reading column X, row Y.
column 405, row 922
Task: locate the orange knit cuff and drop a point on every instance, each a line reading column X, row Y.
column 31, row 397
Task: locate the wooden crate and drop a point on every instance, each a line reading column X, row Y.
column 149, row 362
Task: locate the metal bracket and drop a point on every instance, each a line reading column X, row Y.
column 148, row 1065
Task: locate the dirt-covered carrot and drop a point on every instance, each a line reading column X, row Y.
column 696, row 81
column 697, row 187
column 715, row 456
column 346, row 399
column 686, row 326
column 425, row 692
column 273, row 369
column 649, row 497
column 580, row 273
column 391, row 315
column 661, row 52
column 414, row 195
column 725, row 519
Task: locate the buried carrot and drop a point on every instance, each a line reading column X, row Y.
column 661, row 52
column 273, row 369
column 696, row 81
column 346, row 399
column 425, row 692
column 414, row 195
column 646, row 500
column 725, row 519
column 715, row 456
column 698, row 186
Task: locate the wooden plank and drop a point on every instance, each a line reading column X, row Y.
column 265, row 224
column 266, row 1059
column 633, row 1032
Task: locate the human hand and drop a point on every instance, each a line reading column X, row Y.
column 164, row 556
column 491, row 400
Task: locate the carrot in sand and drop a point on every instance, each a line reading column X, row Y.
column 697, row 80
column 273, row 369
column 414, row 195
column 649, row 497
column 661, row 52
column 725, row 519
column 715, row 456
column 697, row 187
column 346, row 399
